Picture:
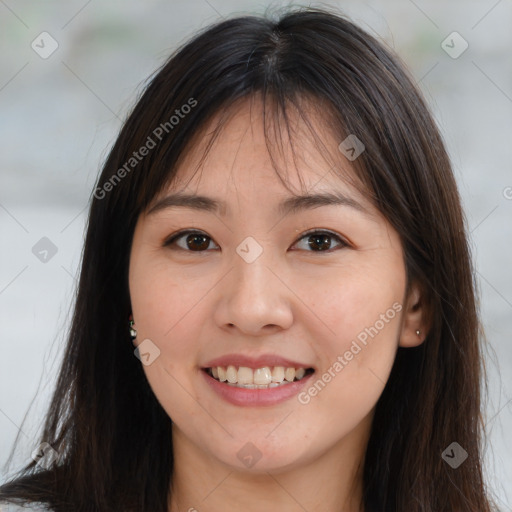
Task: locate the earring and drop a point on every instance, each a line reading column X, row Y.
column 133, row 332
column 417, row 333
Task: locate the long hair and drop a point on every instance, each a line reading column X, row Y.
column 112, row 435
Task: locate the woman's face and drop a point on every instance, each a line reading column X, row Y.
column 252, row 298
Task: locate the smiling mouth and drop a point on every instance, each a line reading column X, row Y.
column 259, row 378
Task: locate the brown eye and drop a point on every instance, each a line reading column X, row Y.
column 194, row 241
column 320, row 241
column 197, row 241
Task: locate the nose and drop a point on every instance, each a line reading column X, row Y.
column 255, row 298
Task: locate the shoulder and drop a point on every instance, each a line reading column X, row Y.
column 30, row 507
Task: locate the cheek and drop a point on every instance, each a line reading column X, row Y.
column 164, row 299
column 361, row 313
column 165, row 309
column 354, row 299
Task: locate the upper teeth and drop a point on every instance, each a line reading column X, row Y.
column 259, row 376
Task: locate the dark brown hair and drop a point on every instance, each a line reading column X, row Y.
column 112, row 435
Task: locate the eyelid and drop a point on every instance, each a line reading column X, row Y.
column 171, row 238
column 327, row 232
column 344, row 241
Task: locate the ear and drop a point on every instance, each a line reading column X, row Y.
column 414, row 322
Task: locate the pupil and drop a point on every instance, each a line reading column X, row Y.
column 319, row 241
column 192, row 238
column 316, row 239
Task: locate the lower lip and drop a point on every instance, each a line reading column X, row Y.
column 256, row 397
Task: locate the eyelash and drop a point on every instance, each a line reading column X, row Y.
column 180, row 234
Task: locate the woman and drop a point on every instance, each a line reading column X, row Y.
column 302, row 340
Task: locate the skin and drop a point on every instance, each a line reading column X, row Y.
column 293, row 300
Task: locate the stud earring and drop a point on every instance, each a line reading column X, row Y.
column 417, row 333
column 133, row 332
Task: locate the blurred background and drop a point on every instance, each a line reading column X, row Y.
column 70, row 72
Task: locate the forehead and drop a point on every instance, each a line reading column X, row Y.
column 259, row 154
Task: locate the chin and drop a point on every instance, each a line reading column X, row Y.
column 261, row 455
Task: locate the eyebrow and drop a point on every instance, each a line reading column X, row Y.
column 290, row 205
